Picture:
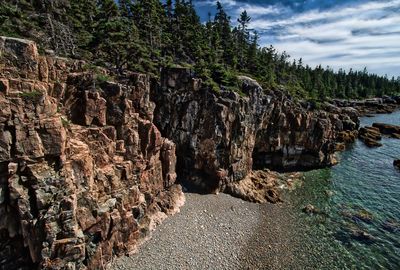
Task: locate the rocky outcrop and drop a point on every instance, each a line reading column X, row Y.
column 385, row 104
column 387, row 129
column 370, row 136
column 221, row 137
column 84, row 173
column 258, row 186
column 87, row 164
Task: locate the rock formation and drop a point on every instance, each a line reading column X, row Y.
column 221, row 137
column 370, row 136
column 387, row 129
column 384, row 104
column 84, row 173
column 87, row 164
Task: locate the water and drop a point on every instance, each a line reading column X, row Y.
column 359, row 199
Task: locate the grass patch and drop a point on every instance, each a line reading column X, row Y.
column 34, row 96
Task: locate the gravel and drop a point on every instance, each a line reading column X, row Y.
column 219, row 232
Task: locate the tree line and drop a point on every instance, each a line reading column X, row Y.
column 146, row 35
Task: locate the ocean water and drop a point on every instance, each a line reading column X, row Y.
column 358, row 226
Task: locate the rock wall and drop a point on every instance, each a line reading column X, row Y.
column 84, row 173
column 221, row 137
column 87, row 164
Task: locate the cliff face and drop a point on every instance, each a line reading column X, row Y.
column 221, row 137
column 84, row 173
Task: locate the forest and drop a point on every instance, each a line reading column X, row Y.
column 147, row 35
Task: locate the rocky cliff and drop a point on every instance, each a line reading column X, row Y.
column 221, row 137
column 87, row 163
column 84, row 173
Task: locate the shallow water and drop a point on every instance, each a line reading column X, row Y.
column 358, row 199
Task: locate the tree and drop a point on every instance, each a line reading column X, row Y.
column 243, row 37
column 116, row 36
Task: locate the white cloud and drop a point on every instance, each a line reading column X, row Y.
column 350, row 36
column 353, row 37
column 334, row 14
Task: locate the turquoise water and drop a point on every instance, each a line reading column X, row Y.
column 358, row 226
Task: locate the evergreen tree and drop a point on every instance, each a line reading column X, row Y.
column 146, row 35
column 116, row 36
column 243, row 37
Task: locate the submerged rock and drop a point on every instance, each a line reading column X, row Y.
column 311, row 209
column 358, row 215
column 362, row 236
column 391, row 225
column 396, row 163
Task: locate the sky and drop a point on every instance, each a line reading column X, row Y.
column 339, row 34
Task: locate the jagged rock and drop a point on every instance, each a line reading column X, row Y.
column 370, row 136
column 388, row 129
column 76, row 162
column 258, row 186
column 222, row 136
column 367, row 107
column 347, row 136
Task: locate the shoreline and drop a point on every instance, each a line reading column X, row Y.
column 223, row 232
column 219, row 232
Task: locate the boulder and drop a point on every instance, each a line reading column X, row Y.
column 370, row 136
column 387, row 129
column 258, row 186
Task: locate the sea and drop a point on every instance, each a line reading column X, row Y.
column 357, row 202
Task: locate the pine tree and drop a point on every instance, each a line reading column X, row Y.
column 243, row 37
column 116, row 36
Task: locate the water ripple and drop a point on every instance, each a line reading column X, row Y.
column 364, row 183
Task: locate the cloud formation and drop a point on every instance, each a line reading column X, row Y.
column 340, row 34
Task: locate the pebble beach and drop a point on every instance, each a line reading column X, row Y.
column 219, row 232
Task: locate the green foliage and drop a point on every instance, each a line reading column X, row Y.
column 147, row 35
column 210, row 84
column 33, row 96
column 101, row 78
column 315, row 104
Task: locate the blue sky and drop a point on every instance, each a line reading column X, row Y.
column 340, row 34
